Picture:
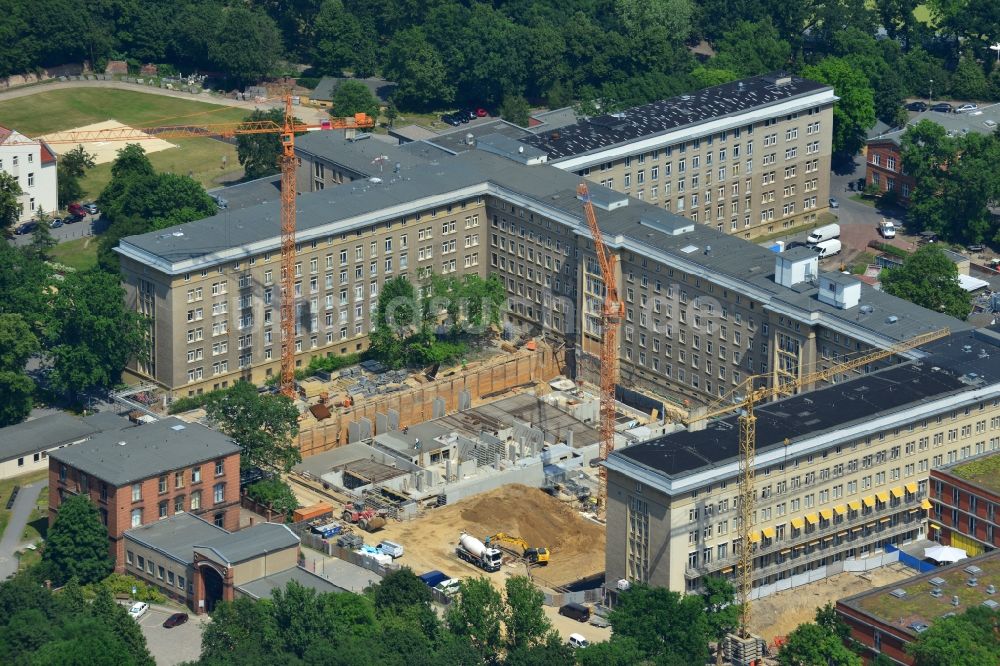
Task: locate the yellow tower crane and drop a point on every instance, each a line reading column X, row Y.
column 744, row 398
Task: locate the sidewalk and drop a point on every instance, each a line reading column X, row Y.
column 11, row 540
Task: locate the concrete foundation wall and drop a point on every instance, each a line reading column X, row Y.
column 532, row 475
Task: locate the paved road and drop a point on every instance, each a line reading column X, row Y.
column 88, row 226
column 11, row 540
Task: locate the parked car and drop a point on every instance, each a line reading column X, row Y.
column 976, row 247
column 469, row 113
column 91, row 208
column 834, row 203
column 56, row 223
column 138, row 609
column 942, row 107
column 578, row 641
column 175, row 620
column 26, row 228
column 966, row 108
column 916, row 106
column 795, row 244
column 887, row 229
column 450, row 587
column 77, row 210
column 451, row 119
column 481, row 113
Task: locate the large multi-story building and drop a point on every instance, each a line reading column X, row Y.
column 749, row 157
column 145, row 473
column 33, row 164
column 702, row 308
column 840, row 472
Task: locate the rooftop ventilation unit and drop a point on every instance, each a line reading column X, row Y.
column 669, row 224
column 937, row 593
column 899, row 593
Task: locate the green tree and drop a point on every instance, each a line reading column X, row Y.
column 263, row 425
column 399, row 590
column 89, row 333
column 813, row 645
column 969, row 80
column 968, row 639
column 17, row 342
column 929, row 279
column 854, row 113
column 665, row 627
column 42, row 240
column 515, row 109
column 10, row 209
column 72, row 166
column 17, row 390
column 525, row 623
column 391, row 112
column 343, row 42
column 77, row 543
column 246, row 47
column 619, row 651
column 721, row 611
column 397, row 306
column 350, row 97
column 417, row 68
column 274, row 493
column 114, row 616
column 750, row 48
column 477, row 616
column 671, row 16
column 259, row 154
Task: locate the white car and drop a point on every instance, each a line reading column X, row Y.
column 966, row 108
column 887, row 229
column 138, row 609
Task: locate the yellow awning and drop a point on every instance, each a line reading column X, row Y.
column 840, row 534
column 897, row 491
column 935, row 527
column 785, row 551
column 882, row 496
column 911, row 487
column 884, row 520
column 827, row 514
column 827, row 538
column 855, row 505
column 755, row 536
column 727, row 570
column 812, row 518
column 869, row 501
column 841, row 509
column 856, row 529
column 768, row 532
column 798, row 523
column 925, row 503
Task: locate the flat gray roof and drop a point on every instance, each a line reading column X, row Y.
column 348, row 576
column 176, row 536
column 361, row 155
column 236, row 547
column 263, row 588
column 412, row 133
column 42, row 434
column 250, row 193
column 984, row 120
column 142, row 451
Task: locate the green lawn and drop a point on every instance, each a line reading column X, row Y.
column 80, row 254
column 7, row 485
column 199, row 158
column 67, row 108
column 57, row 110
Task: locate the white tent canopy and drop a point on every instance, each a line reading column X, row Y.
column 971, row 284
column 944, row 554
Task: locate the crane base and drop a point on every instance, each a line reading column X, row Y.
column 744, row 651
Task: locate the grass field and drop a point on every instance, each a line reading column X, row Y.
column 7, row 485
column 80, row 254
column 64, row 109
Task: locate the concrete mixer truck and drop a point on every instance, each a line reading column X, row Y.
column 475, row 551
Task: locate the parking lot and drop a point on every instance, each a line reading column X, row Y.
column 172, row 646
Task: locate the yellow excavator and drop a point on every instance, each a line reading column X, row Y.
column 539, row 556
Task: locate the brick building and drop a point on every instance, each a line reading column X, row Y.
column 145, row 473
column 965, row 499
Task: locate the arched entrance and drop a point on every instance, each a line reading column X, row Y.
column 213, row 584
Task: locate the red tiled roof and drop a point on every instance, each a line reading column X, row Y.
column 48, row 157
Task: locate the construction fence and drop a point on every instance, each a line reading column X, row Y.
column 433, row 400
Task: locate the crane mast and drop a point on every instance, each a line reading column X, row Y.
column 612, row 311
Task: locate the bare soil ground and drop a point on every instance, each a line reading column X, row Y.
column 779, row 614
column 576, row 544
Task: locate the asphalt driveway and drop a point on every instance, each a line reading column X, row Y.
column 20, row 513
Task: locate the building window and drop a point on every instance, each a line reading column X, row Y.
column 219, row 492
column 159, row 572
column 136, row 518
column 196, row 475
column 163, row 509
column 196, row 500
column 141, row 563
column 219, row 467
column 128, row 556
column 170, row 577
column 136, row 492
column 179, row 504
column 162, row 486
column 219, row 520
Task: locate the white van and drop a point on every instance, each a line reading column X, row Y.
column 823, row 233
column 828, row 248
column 887, row 229
column 390, row 548
column 578, row 641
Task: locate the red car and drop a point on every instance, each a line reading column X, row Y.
column 76, row 210
column 175, row 620
column 481, row 113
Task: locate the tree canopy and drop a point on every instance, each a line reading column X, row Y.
column 262, row 424
column 967, row 639
column 76, row 545
column 350, row 97
column 929, row 279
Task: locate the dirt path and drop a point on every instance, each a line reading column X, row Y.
column 576, row 544
column 780, row 613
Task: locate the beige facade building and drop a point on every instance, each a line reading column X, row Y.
column 841, row 473
column 750, row 157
